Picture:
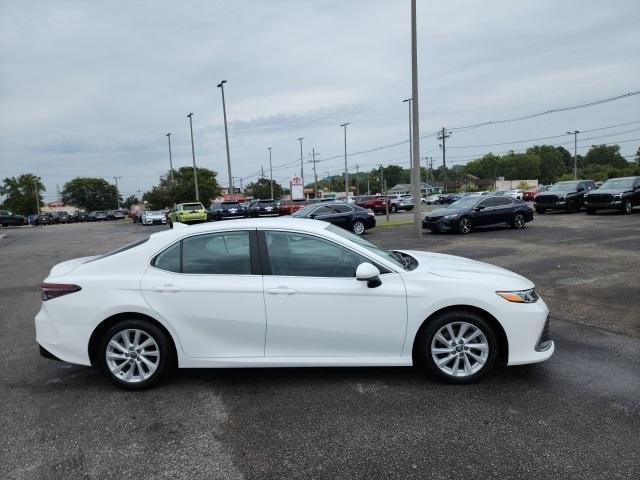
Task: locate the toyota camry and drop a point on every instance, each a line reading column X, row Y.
column 285, row 293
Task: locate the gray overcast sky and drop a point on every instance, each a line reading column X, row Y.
column 91, row 88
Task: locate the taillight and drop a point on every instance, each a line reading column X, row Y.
column 54, row 290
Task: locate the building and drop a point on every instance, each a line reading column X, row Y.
column 405, row 189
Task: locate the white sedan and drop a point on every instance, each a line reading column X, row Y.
column 285, row 293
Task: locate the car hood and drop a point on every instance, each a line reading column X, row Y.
column 451, row 266
column 441, row 212
column 67, row 267
column 612, row 191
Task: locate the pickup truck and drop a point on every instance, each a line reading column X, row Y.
column 7, row 218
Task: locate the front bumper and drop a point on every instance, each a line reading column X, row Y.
column 527, row 329
column 614, row 205
column 440, row 224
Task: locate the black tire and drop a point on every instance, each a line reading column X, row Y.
column 465, row 225
column 358, row 227
column 540, row 210
column 627, row 207
column 426, row 339
column 572, row 207
column 518, row 221
column 591, row 211
column 170, row 223
column 165, row 362
column 393, row 208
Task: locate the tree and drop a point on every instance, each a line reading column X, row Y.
column 90, row 194
column 261, row 188
column 183, row 189
column 605, row 155
column 21, row 193
column 553, row 161
column 131, row 200
column 638, row 156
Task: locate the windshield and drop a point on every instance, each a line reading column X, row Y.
column 466, row 202
column 564, row 187
column 387, row 255
column 616, row 183
column 303, row 212
column 156, row 212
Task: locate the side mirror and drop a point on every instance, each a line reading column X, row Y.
column 312, row 215
column 479, row 207
column 366, row 272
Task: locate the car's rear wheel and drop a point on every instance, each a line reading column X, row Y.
column 358, row 227
column 170, row 223
column 134, row 354
column 518, row 221
column 627, row 207
column 591, row 211
column 540, row 210
column 458, row 346
column 393, row 208
column 465, row 225
column 572, row 207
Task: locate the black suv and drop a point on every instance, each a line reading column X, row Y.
column 62, row 217
column 263, row 208
column 227, row 209
column 7, row 218
column 614, row 194
column 567, row 196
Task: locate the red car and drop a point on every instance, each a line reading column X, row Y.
column 375, row 203
column 530, row 194
column 289, row 207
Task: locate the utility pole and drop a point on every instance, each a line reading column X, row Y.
column 35, row 185
column 415, row 134
column 241, row 187
column 193, row 154
column 346, row 168
column 315, row 175
column 329, row 177
column 357, row 180
column 368, row 184
column 226, row 132
column 442, row 136
column 270, row 171
column 575, row 153
column 301, row 163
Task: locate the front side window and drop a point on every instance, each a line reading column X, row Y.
column 300, row 255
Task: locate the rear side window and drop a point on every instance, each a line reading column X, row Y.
column 211, row 254
column 342, row 208
column 504, row 201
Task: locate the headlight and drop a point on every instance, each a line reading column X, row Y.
column 523, row 296
column 450, row 217
column 618, row 196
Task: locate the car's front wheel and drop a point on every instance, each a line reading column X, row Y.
column 358, row 227
column 134, row 354
column 458, row 346
column 465, row 225
column 627, row 207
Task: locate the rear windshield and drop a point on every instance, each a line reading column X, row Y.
column 192, row 206
column 124, row 248
column 231, row 204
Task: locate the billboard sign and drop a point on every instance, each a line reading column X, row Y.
column 297, row 188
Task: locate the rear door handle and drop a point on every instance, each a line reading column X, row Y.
column 166, row 288
column 281, row 291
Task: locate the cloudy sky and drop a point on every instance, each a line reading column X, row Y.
column 91, row 88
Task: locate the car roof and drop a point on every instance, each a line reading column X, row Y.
column 282, row 223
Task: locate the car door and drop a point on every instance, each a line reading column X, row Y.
column 342, row 215
column 317, row 308
column 486, row 213
column 503, row 210
column 209, row 288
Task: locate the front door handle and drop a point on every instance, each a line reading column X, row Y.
column 166, row 289
column 281, row 291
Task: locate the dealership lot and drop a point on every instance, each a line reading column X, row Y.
column 575, row 416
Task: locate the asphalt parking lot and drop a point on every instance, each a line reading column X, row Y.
column 575, row 416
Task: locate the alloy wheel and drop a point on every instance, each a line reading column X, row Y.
column 459, row 349
column 132, row 355
column 627, row 207
column 518, row 221
column 465, row 225
column 358, row 228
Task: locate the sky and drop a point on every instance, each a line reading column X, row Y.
column 92, row 88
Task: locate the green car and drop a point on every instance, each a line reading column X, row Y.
column 187, row 213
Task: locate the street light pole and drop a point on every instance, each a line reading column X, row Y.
column 226, row 133
column 193, row 155
column 117, row 194
column 410, row 101
column 415, row 154
column 346, row 168
column 170, row 159
column 270, row 171
column 301, row 163
column 575, row 153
